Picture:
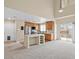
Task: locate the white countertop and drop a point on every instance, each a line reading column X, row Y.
column 33, row 35
column 37, row 41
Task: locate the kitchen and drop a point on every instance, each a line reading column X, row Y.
column 33, row 31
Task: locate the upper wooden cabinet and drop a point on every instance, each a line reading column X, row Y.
column 30, row 24
column 50, row 25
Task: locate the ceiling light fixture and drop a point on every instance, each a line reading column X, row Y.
column 61, row 8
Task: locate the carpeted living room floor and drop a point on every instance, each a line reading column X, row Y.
column 58, row 49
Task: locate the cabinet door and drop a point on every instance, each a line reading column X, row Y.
column 53, row 25
column 46, row 25
column 49, row 25
column 48, row 37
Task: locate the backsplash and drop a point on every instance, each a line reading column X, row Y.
column 50, row 31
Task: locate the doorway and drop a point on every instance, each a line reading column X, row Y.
column 67, row 32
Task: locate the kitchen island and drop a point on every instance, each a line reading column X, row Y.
column 37, row 37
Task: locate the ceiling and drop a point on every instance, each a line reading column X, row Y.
column 42, row 8
column 47, row 9
column 13, row 14
column 10, row 13
column 68, row 8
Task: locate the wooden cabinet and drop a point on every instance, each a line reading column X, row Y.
column 49, row 31
column 37, row 27
column 49, row 37
column 30, row 24
column 49, row 25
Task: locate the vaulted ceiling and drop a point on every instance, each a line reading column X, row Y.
column 43, row 8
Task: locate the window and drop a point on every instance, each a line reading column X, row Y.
column 42, row 27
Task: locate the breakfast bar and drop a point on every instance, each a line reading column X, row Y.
column 37, row 37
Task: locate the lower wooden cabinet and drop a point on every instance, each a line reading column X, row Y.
column 49, row 37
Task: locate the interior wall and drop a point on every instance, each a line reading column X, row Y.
column 19, row 32
column 9, row 29
column 69, row 9
column 13, row 13
column 13, row 28
column 73, row 35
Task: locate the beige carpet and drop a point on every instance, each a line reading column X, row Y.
column 51, row 50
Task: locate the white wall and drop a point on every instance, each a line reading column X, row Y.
column 9, row 29
column 13, row 28
column 19, row 32
column 73, row 33
column 69, row 9
column 12, row 13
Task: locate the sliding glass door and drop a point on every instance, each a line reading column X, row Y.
column 67, row 31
